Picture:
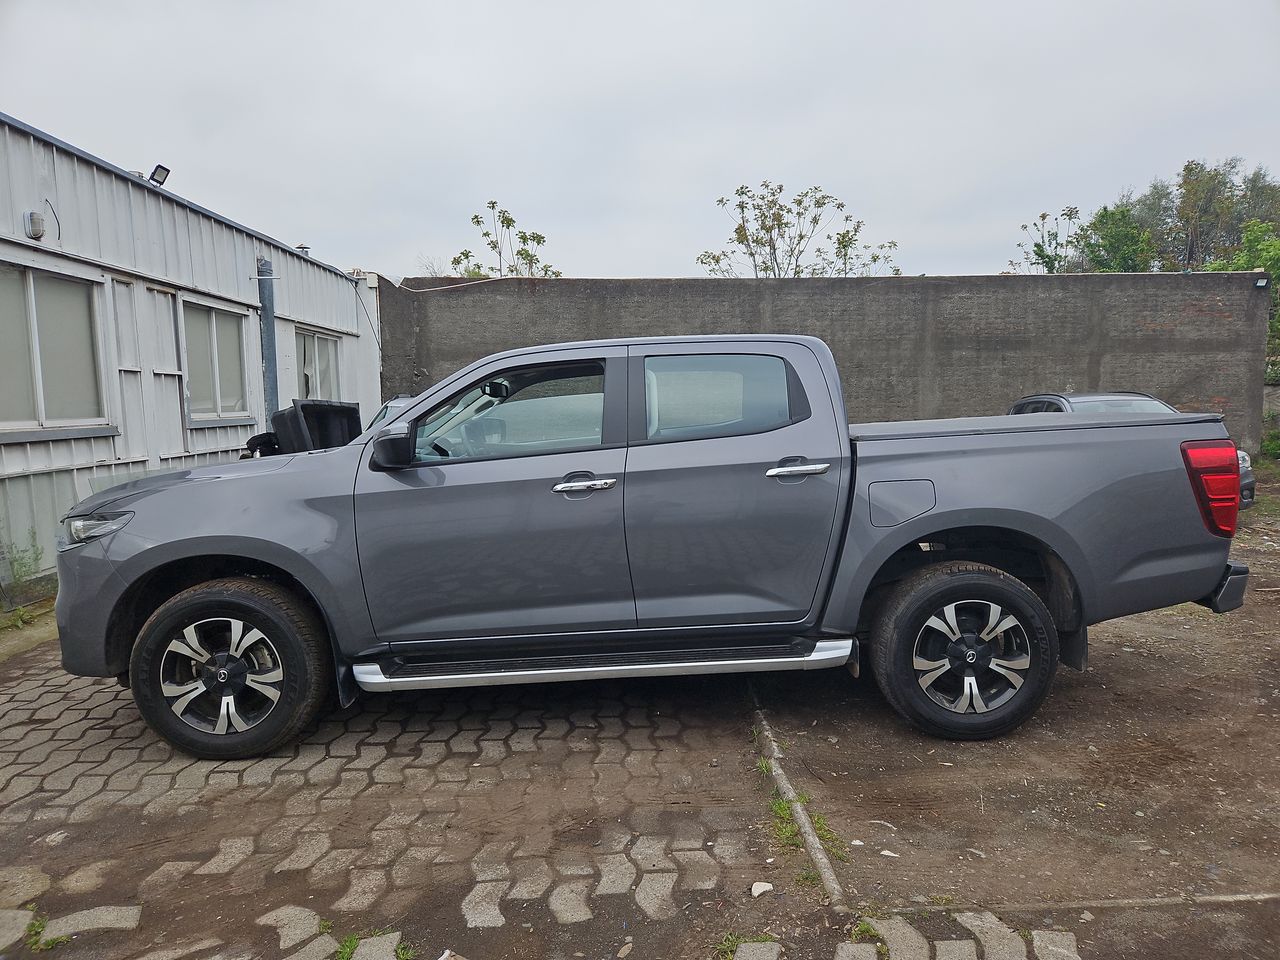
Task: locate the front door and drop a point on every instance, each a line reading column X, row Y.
column 510, row 520
column 733, row 480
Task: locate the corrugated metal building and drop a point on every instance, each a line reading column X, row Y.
column 131, row 335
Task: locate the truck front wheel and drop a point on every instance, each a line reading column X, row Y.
column 231, row 668
column 963, row 650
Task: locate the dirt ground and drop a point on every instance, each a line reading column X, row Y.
column 1139, row 811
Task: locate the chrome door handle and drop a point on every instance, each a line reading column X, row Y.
column 798, row 470
column 582, row 486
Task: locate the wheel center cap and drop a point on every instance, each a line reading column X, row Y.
column 970, row 656
column 223, row 676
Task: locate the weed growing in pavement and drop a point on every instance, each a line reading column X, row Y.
column 326, row 926
column 808, row 878
column 785, row 831
column 863, row 931
column 406, row 951
column 17, row 619
column 347, row 948
column 831, row 841
column 882, row 951
column 764, row 767
column 35, row 940
column 942, row 900
column 730, row 943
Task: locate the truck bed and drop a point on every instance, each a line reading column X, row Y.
column 1027, row 423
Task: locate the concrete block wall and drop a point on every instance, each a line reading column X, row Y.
column 908, row 347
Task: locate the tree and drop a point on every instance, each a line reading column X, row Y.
column 517, row 252
column 774, row 237
column 1048, row 247
column 1260, row 250
column 1114, row 242
column 1200, row 218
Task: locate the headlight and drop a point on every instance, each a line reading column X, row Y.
column 80, row 529
column 1245, row 462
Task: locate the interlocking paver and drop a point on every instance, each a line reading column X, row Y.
column 293, row 924
column 231, row 853
column 653, row 895
column 1054, row 945
column 95, row 918
column 955, row 950
column 902, row 939
column 998, row 941
column 13, row 926
column 480, row 906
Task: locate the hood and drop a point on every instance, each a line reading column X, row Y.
column 152, row 483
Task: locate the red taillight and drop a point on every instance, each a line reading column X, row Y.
column 1214, row 470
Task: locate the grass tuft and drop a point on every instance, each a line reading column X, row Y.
column 347, row 948
column 808, row 878
column 730, row 943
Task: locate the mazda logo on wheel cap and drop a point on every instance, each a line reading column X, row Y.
column 222, row 676
column 971, row 656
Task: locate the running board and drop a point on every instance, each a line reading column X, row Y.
column 826, row 653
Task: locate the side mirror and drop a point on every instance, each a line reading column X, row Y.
column 498, row 389
column 392, row 448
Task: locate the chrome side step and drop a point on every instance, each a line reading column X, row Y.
column 826, row 653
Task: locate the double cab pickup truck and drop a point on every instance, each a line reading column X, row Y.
column 646, row 507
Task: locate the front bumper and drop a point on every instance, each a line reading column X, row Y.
column 1229, row 593
column 88, row 589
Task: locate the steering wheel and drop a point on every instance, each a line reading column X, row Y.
column 440, row 448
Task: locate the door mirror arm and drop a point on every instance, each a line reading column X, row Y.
column 392, row 448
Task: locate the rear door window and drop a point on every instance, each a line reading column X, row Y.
column 719, row 395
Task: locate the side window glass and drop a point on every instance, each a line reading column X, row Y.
column 719, row 395
column 522, row 412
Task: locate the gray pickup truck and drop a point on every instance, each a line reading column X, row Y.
column 639, row 508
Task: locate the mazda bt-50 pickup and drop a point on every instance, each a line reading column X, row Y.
column 638, row 508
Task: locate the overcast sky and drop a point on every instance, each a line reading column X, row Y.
column 372, row 131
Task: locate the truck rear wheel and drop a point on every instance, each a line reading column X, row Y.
column 231, row 668
column 964, row 651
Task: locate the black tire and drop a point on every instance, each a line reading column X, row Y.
column 293, row 642
column 905, row 621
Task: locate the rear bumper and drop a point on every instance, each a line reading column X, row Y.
column 1229, row 593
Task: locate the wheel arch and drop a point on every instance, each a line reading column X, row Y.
column 1028, row 548
column 155, row 577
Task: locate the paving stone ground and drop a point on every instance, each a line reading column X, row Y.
column 628, row 820
column 535, row 808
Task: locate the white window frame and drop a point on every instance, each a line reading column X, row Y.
column 303, row 331
column 217, row 418
column 41, row 422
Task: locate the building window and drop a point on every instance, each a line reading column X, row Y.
column 317, row 361
column 48, row 350
column 215, row 362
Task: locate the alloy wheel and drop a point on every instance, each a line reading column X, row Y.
column 221, row 675
column 971, row 656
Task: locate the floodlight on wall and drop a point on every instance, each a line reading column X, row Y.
column 1260, row 283
column 33, row 225
column 159, row 175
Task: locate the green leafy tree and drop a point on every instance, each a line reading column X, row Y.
column 512, row 252
column 808, row 235
column 1114, row 242
column 1199, row 217
column 1049, row 244
column 1260, row 250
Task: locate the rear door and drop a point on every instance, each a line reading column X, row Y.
column 733, row 480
